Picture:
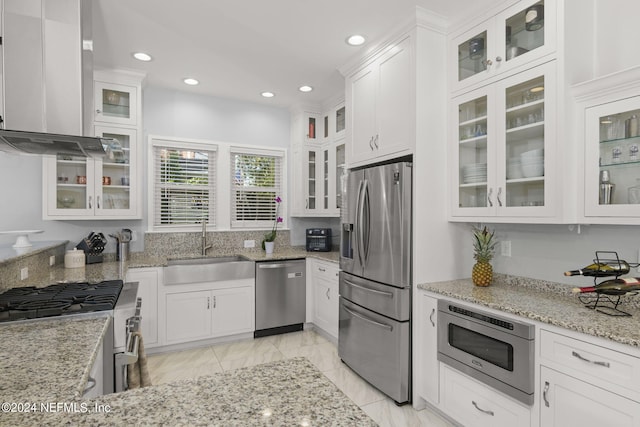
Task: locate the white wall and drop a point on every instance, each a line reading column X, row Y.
column 616, row 35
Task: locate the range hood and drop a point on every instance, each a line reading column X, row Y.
column 36, row 143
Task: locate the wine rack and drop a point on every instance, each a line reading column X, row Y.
column 607, row 301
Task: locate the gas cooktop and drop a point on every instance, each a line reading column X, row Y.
column 58, row 299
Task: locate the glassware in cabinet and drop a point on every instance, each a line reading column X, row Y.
column 472, row 153
column 472, row 56
column 524, row 31
column 115, row 103
column 311, row 180
column 71, row 183
column 524, row 143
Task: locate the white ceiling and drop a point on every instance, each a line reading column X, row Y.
column 239, row 48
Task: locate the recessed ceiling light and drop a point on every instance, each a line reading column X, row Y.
column 355, row 40
column 191, row 81
column 268, row 94
column 141, row 56
column 305, row 88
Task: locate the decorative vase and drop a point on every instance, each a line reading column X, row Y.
column 268, row 247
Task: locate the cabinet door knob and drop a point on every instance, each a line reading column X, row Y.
column 98, row 111
column 498, row 58
column 488, row 63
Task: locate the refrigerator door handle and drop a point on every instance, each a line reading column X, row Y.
column 366, row 217
column 359, row 216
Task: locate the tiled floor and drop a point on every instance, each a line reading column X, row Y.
column 321, row 352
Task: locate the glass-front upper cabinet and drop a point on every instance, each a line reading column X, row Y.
column 612, row 156
column 519, row 34
column 502, row 137
column 115, row 103
column 341, row 170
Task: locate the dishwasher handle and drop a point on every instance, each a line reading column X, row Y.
column 278, row 265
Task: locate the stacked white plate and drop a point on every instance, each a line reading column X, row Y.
column 474, row 172
column 514, row 168
column 532, row 163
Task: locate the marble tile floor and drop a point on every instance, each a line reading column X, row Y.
column 168, row 367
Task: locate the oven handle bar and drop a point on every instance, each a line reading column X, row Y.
column 366, row 319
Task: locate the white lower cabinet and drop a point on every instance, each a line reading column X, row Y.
column 426, row 364
column 148, row 280
column 193, row 313
column 474, row 404
column 567, row 401
column 585, row 384
column 324, row 277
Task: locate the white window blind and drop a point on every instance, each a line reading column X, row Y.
column 256, row 181
column 184, row 186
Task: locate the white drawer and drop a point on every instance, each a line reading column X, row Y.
column 325, row 269
column 474, row 404
column 610, row 369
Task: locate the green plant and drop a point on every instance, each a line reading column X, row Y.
column 271, row 236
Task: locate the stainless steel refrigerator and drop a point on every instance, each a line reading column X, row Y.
column 375, row 281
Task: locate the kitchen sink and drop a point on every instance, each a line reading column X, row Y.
column 208, row 269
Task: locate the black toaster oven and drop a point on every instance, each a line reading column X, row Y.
column 318, row 239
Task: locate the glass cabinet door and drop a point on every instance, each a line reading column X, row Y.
column 472, row 131
column 524, row 31
column 115, row 103
column 311, row 180
column 115, row 182
column 524, row 155
column 340, row 174
column 612, row 170
column 472, row 55
column 73, row 177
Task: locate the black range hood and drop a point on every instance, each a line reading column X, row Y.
column 36, row 143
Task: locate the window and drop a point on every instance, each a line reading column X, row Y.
column 256, row 181
column 184, row 184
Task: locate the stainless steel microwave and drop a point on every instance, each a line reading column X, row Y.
column 493, row 349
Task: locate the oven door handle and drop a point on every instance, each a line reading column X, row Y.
column 375, row 291
column 366, row 319
column 129, row 357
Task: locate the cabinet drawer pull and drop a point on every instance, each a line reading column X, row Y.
column 328, row 289
column 321, row 269
column 584, row 359
column 371, row 143
column 433, row 311
column 375, row 141
column 545, row 393
column 208, row 303
column 484, row 411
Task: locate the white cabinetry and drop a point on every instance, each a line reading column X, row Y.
column 379, row 99
column 148, row 280
column 107, row 188
column 324, row 278
column 587, row 385
column 503, row 43
column 318, row 162
column 426, row 362
column 607, row 126
column 504, row 149
column 208, row 310
column 474, row 404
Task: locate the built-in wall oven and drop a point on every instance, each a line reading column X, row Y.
column 493, row 349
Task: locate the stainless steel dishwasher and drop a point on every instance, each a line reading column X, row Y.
column 280, row 297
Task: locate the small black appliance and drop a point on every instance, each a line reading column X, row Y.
column 318, row 239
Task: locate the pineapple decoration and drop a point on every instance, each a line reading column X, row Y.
column 483, row 247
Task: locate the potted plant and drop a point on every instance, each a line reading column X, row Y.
column 483, row 247
column 270, row 237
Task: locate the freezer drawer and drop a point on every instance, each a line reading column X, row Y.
column 377, row 348
column 280, row 294
column 384, row 299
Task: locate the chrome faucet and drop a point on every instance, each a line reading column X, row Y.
column 204, row 238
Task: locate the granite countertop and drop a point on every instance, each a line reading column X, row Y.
column 547, row 302
column 287, row 392
column 49, row 360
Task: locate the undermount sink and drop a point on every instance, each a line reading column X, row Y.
column 208, row 269
column 206, row 260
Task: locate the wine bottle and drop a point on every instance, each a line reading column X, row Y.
column 612, row 287
column 602, row 268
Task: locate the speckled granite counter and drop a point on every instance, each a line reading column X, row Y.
column 48, row 360
column 547, row 303
column 284, row 393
